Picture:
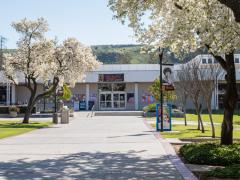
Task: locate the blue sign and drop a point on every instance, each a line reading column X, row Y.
column 167, row 117
column 82, row 105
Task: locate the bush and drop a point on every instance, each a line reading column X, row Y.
column 150, row 108
column 14, row 109
column 227, row 172
column 211, row 154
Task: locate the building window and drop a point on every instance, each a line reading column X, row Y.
column 105, row 87
column 215, row 61
column 209, row 61
column 204, row 61
column 237, row 60
column 111, row 86
column 3, row 94
column 119, row 87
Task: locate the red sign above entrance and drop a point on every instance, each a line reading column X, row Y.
column 111, row 77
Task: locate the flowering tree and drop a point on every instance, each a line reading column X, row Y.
column 154, row 89
column 184, row 26
column 39, row 60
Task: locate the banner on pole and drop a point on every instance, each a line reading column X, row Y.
column 167, row 117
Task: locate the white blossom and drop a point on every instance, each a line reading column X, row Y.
column 41, row 59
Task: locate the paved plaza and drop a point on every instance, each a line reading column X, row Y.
column 101, row 147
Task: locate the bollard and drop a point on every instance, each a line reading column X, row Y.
column 55, row 118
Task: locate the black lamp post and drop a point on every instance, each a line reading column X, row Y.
column 55, row 101
column 161, row 85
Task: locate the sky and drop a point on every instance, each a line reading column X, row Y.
column 90, row 21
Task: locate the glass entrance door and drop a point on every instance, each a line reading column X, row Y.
column 106, row 100
column 112, row 100
column 119, row 100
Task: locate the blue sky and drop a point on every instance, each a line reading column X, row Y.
column 90, row 21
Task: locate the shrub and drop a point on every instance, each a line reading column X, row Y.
column 150, row 108
column 227, row 172
column 211, row 154
column 14, row 109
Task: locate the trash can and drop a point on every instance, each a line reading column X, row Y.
column 65, row 116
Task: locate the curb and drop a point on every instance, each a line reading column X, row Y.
column 172, row 156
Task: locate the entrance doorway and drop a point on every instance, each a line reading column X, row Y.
column 112, row 100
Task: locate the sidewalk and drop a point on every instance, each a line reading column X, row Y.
column 88, row 148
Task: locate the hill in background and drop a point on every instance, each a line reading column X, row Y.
column 127, row 54
column 131, row 54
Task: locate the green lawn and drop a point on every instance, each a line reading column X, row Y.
column 190, row 131
column 12, row 128
column 217, row 118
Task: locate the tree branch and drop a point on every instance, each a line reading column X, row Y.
column 219, row 59
column 50, row 91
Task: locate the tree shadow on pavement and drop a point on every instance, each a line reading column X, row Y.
column 87, row 165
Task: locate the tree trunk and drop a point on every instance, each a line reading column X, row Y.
column 185, row 117
column 230, row 100
column 211, row 121
column 198, row 127
column 200, row 122
column 28, row 113
column 30, row 104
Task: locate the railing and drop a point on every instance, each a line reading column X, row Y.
column 92, row 111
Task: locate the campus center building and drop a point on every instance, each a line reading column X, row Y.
column 110, row 87
column 116, row 87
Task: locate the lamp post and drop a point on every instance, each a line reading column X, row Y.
column 161, row 90
column 55, row 101
column 55, row 115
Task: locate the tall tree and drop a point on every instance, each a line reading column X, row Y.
column 209, row 73
column 184, row 26
column 39, row 60
column 180, row 86
column 189, row 75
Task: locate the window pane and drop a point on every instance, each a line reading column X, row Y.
column 102, row 104
column 204, row 61
column 115, row 97
column 209, row 61
column 102, row 97
column 119, row 87
column 116, row 104
column 122, row 97
column 109, row 104
column 122, row 104
column 236, row 60
column 105, row 87
column 108, row 97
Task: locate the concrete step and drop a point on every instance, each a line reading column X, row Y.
column 118, row 113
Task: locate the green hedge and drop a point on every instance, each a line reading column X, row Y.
column 227, row 172
column 5, row 109
column 152, row 107
column 211, row 154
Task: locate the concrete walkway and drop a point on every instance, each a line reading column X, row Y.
column 87, row 148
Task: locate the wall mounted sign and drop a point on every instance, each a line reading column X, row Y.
column 111, row 77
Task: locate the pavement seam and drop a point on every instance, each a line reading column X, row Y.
column 172, row 156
